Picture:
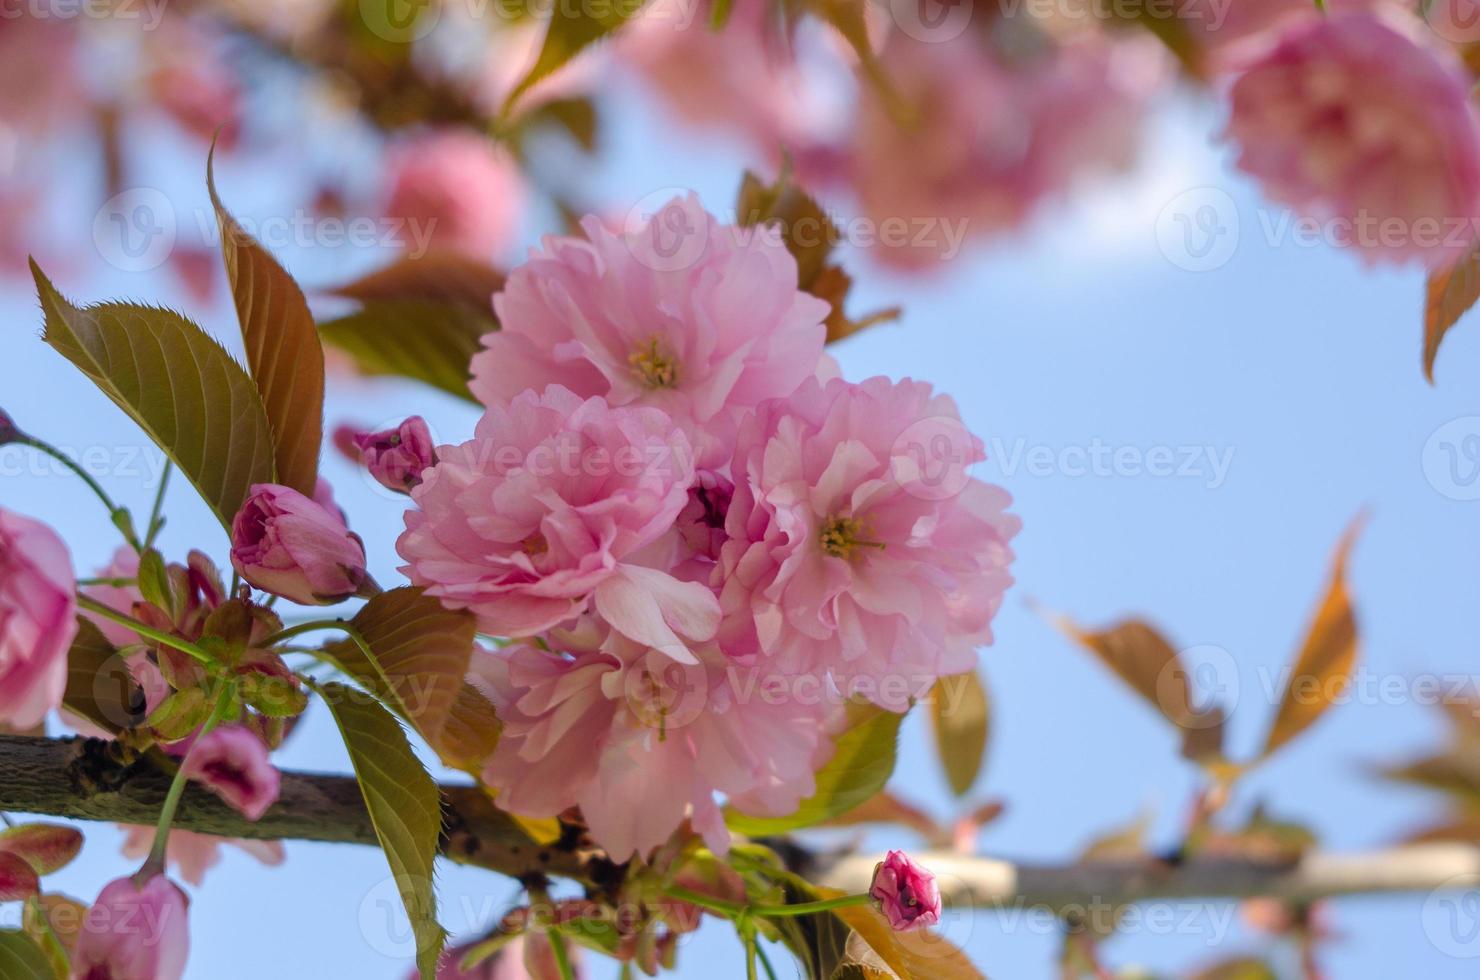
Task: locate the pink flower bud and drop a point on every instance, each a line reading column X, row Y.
column 9, row 431
column 906, row 893
column 134, row 932
column 38, row 618
column 232, row 762
column 284, row 543
column 396, row 457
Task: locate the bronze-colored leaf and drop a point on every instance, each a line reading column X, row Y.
column 1324, row 666
column 886, row 808
column 1142, row 657
column 439, row 276
column 921, row 955
column 1447, row 296
column 100, row 688
column 282, row 344
column 960, row 715
column 418, row 665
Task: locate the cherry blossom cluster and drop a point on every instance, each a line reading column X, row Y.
column 696, row 540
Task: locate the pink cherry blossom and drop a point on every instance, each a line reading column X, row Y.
column 642, row 743
column 38, row 610
column 454, row 189
column 134, row 931
column 859, row 545
column 760, row 75
column 534, row 520
column 680, row 312
column 988, row 137
column 232, row 762
column 396, row 457
column 906, row 893
column 194, row 854
column 284, row 543
column 1355, row 123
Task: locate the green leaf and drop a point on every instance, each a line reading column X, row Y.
column 282, row 347
column 427, row 341
column 572, row 28
column 404, row 806
column 99, row 685
column 177, row 383
column 863, row 760
column 22, row 959
column 420, row 660
column 1448, row 294
column 961, row 718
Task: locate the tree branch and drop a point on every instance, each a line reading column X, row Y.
column 89, row 779
column 976, row 882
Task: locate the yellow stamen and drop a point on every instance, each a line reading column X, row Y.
column 654, row 367
column 840, row 536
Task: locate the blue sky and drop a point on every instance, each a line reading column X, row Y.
column 1285, row 382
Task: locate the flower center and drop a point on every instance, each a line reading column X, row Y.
column 535, row 545
column 841, row 536
column 654, row 367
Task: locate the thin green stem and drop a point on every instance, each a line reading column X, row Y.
column 810, row 908
column 117, row 583
column 97, row 488
column 184, row 646
column 727, row 909
column 156, row 860
column 309, row 627
column 747, row 934
column 760, row 951
column 540, row 897
column 562, row 955
column 156, row 513
column 734, row 909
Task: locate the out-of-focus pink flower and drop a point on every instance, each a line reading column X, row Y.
column 119, row 598
column 1356, row 124
column 859, row 544
column 134, row 932
column 194, row 854
column 990, row 137
column 906, row 893
column 536, row 517
column 454, row 189
column 758, row 76
column 700, row 319
column 526, row 957
column 232, row 761
column 38, row 55
column 284, row 543
column 396, row 457
column 642, row 743
column 38, row 610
